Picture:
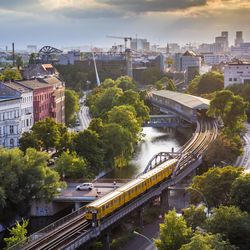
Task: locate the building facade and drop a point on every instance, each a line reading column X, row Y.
column 26, row 95
column 237, row 72
column 10, row 121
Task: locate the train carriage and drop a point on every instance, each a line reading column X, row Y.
column 117, row 198
column 105, row 205
column 133, row 189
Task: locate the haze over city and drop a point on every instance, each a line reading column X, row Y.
column 84, row 22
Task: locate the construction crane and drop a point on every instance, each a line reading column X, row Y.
column 125, row 38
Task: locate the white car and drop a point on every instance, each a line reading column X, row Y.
column 85, row 186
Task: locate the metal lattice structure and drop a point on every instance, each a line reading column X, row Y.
column 159, row 158
column 47, row 53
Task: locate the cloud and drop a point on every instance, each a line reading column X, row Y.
column 95, row 13
column 142, row 6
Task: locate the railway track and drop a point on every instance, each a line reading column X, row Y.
column 56, row 239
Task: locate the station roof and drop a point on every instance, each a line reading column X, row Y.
column 190, row 101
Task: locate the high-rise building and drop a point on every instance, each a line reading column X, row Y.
column 239, row 38
column 221, row 44
column 139, row 44
column 225, row 34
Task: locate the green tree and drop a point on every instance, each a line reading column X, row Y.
column 96, row 125
column 32, row 59
column 223, row 149
column 231, row 109
column 174, row 232
column 125, row 83
column 19, row 62
column 132, row 98
column 215, row 185
column 125, row 115
column 206, row 83
column 71, row 105
column 105, row 101
column 117, row 144
column 108, row 83
column 11, row 74
column 232, row 223
column 23, row 178
column 159, row 85
column 193, row 85
column 18, row 233
column 48, row 132
column 207, row 241
column 194, row 216
column 88, row 145
column 240, row 192
column 29, row 140
column 72, row 166
column 170, row 85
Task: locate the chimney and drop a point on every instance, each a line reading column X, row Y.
column 13, row 54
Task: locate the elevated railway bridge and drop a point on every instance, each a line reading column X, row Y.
column 75, row 230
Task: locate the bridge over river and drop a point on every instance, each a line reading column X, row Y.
column 74, row 230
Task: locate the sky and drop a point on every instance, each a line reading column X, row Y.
column 62, row 23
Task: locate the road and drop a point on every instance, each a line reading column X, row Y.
column 84, row 117
column 244, row 160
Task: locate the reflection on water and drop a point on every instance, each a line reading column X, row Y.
column 155, row 141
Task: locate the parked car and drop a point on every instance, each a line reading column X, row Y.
column 78, row 122
column 85, row 186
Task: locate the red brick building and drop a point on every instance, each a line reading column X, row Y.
column 42, row 98
column 48, row 98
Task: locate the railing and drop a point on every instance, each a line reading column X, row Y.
column 52, row 227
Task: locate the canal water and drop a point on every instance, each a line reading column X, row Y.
column 154, row 141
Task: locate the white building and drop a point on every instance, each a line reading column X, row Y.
column 214, row 59
column 70, row 57
column 236, row 73
column 241, row 51
column 190, row 59
column 27, row 119
column 10, row 121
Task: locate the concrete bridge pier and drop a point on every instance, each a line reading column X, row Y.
column 107, row 241
column 141, row 212
column 164, row 198
column 77, row 205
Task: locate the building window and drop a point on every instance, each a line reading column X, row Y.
column 27, row 122
column 11, row 129
column 11, row 143
column 230, row 79
column 235, row 79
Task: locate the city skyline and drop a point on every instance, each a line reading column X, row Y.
column 88, row 22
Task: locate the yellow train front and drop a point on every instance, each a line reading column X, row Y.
column 109, row 203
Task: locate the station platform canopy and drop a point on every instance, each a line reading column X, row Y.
column 190, row 101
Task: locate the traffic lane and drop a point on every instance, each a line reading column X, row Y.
column 99, row 189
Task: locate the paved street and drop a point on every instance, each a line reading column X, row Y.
column 244, row 160
column 100, row 189
column 84, row 117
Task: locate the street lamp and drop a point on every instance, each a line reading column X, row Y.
column 146, row 238
column 203, row 197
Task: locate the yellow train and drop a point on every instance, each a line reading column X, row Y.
column 109, row 203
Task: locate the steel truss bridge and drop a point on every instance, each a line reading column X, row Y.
column 74, row 230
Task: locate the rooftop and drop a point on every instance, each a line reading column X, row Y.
column 239, row 62
column 34, row 84
column 17, row 87
column 193, row 102
column 189, row 53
